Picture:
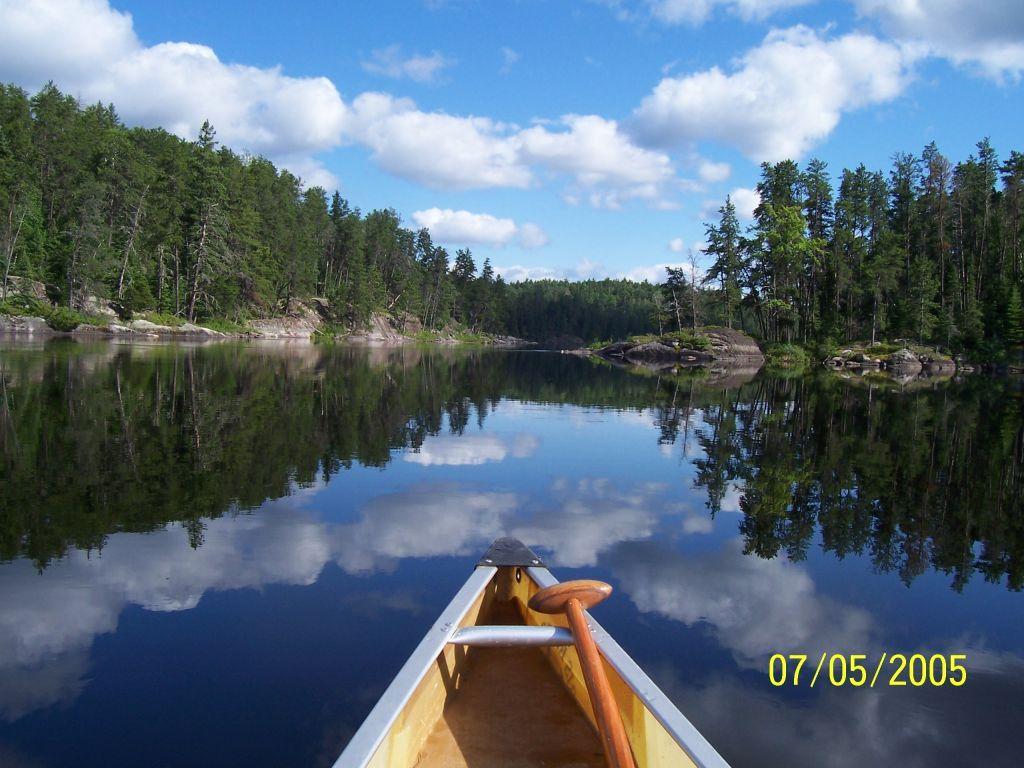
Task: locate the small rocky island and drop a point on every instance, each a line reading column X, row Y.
column 703, row 347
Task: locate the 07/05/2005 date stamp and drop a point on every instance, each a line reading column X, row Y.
column 854, row 669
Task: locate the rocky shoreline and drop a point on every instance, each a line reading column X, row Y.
column 902, row 362
column 704, row 348
column 380, row 330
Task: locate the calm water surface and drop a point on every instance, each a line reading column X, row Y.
column 221, row 555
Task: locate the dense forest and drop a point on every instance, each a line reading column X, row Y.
column 928, row 251
column 147, row 221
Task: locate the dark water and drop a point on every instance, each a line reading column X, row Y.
column 221, row 555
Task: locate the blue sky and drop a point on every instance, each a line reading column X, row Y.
column 558, row 138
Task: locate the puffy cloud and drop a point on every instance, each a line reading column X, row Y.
column 532, row 236
column 446, row 151
column 586, row 270
column 515, row 273
column 175, row 85
column 653, row 273
column 436, row 149
column 713, row 172
column 389, row 62
column 590, row 517
column 583, row 270
column 598, row 154
column 988, row 36
column 676, row 245
column 447, row 225
column 423, row 521
column 49, row 623
column 463, row 450
column 780, row 98
column 91, row 36
column 746, row 202
column 178, row 85
column 754, row 607
column 848, row 727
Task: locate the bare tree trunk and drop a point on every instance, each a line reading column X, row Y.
column 160, row 277
column 177, row 282
column 10, row 242
column 197, row 272
column 130, row 243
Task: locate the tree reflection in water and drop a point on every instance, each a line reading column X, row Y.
column 96, row 439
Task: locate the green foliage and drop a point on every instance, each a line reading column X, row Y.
column 164, row 318
column 152, row 223
column 589, row 309
column 786, row 355
column 1014, row 332
column 24, row 306
column 64, row 319
column 682, row 339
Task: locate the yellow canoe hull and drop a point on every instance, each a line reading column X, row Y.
column 457, row 705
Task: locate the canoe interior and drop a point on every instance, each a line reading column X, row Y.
column 514, row 707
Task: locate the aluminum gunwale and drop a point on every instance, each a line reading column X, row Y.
column 516, row 635
column 375, row 727
column 674, row 721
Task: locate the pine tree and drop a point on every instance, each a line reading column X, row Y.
column 723, row 245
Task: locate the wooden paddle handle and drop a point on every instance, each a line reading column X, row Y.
column 606, row 710
column 570, row 598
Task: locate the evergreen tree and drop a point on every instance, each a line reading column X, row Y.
column 723, row 244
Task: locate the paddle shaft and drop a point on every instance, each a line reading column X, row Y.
column 609, row 722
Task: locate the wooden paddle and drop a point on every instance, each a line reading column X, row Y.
column 571, row 598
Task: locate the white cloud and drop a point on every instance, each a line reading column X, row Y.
column 515, row 273
column 985, row 35
column 423, row 521
column 696, row 12
column 755, row 607
column 586, row 269
column 532, row 236
column 447, row 225
column 436, row 149
column 676, row 245
column 746, row 201
column 591, row 516
column 654, row 273
column 49, row 623
column 472, row 450
column 446, row 151
column 91, row 50
column 389, row 62
column 178, row 85
column 509, row 58
column 712, row 173
column 598, row 154
column 780, row 99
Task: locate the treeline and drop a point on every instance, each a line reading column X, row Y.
column 589, row 309
column 95, row 440
column 926, row 251
column 149, row 221
column 146, row 221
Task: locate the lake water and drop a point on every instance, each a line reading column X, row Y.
column 221, row 555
